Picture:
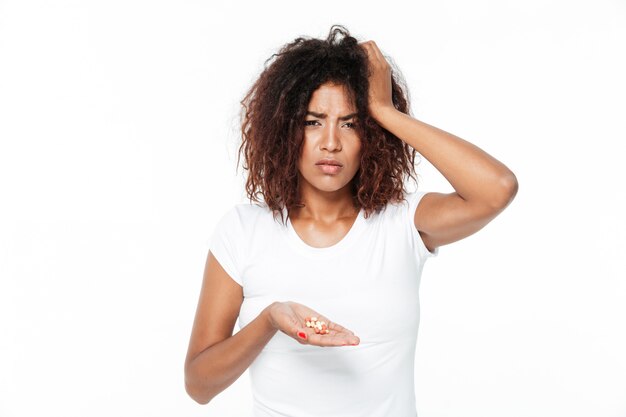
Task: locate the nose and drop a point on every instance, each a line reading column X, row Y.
column 331, row 140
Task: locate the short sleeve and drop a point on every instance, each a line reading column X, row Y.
column 413, row 199
column 225, row 243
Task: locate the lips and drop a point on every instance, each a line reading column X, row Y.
column 329, row 169
column 329, row 161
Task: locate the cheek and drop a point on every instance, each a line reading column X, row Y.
column 305, row 158
column 358, row 150
column 305, row 153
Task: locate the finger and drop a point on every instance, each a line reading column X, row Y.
column 377, row 51
column 336, row 336
column 333, row 329
column 328, row 341
column 347, row 336
column 301, row 334
column 349, row 339
column 328, row 327
column 338, row 328
column 371, row 47
column 350, row 336
column 367, row 46
column 344, row 340
column 376, row 54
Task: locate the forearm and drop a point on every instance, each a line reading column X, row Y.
column 217, row 367
column 474, row 174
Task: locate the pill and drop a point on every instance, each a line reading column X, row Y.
column 319, row 326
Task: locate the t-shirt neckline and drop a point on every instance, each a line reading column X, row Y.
column 342, row 244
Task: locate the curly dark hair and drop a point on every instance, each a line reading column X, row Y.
column 272, row 123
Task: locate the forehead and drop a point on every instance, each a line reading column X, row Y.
column 329, row 97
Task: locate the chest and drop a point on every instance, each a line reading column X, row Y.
column 319, row 235
column 373, row 289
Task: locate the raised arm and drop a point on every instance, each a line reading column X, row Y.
column 484, row 186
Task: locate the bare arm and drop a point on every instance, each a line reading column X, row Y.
column 216, row 358
column 483, row 186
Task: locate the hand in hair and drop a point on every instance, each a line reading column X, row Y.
column 379, row 80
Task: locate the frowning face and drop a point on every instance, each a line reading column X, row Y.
column 329, row 133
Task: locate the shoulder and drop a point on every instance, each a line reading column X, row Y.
column 399, row 213
column 236, row 225
column 244, row 213
column 245, row 219
column 407, row 205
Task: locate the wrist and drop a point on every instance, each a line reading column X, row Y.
column 267, row 313
column 383, row 113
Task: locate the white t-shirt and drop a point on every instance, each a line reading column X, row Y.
column 368, row 282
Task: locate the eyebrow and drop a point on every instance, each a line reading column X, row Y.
column 323, row 115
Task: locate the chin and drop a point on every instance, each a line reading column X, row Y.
column 330, row 188
column 322, row 183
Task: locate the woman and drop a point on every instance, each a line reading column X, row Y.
column 328, row 142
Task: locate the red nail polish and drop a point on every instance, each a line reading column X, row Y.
column 302, row 335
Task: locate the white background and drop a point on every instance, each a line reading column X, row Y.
column 118, row 127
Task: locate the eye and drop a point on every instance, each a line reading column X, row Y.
column 309, row 122
column 351, row 125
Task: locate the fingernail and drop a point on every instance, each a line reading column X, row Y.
column 302, row 335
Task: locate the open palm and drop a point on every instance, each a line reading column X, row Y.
column 290, row 318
